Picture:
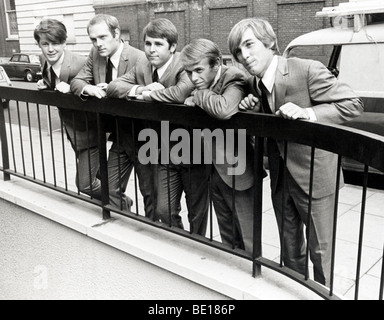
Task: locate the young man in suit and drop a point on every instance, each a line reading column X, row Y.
column 109, row 58
column 296, row 89
column 59, row 67
column 218, row 91
column 162, row 78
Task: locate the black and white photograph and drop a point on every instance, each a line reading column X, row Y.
column 191, row 154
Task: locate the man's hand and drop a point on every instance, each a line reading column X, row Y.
column 292, row 111
column 250, row 102
column 189, row 102
column 63, row 87
column 94, row 91
column 41, row 85
column 151, row 87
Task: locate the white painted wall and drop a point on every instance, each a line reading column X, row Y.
column 75, row 14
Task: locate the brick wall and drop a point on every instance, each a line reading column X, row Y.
column 213, row 19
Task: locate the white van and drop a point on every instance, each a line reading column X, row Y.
column 353, row 50
column 4, row 81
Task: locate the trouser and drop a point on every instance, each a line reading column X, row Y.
column 318, row 236
column 119, row 169
column 193, row 180
column 234, row 215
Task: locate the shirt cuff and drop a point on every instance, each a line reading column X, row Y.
column 312, row 115
column 147, row 95
column 132, row 93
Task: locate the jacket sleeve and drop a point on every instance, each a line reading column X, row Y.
column 221, row 105
column 334, row 101
column 83, row 78
column 177, row 93
column 120, row 87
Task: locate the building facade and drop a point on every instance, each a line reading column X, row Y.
column 212, row 19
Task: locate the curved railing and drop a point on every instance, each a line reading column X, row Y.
column 364, row 147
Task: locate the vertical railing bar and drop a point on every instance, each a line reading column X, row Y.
column 169, row 198
column 89, row 156
column 285, row 172
column 335, row 218
column 76, row 153
column 4, row 141
column 258, row 204
column 64, row 154
column 135, row 164
column 191, row 230
column 210, row 204
column 31, row 141
column 41, row 142
column 103, row 166
column 233, row 212
column 21, row 137
column 361, row 231
column 51, row 140
column 12, row 141
column 309, row 213
column 382, row 278
column 119, row 161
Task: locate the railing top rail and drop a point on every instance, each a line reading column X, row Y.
column 362, row 146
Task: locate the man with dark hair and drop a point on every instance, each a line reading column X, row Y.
column 162, row 78
column 109, row 58
column 59, row 67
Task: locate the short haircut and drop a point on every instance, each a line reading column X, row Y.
column 110, row 21
column 262, row 30
column 53, row 29
column 199, row 49
column 162, row 28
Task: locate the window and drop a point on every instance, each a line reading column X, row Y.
column 10, row 10
column 15, row 58
column 24, row 59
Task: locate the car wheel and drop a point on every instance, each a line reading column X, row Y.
column 28, row 76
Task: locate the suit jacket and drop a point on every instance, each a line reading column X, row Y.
column 222, row 102
column 94, row 69
column 309, row 84
column 175, row 80
column 70, row 67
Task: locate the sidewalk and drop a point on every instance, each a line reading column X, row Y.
column 348, row 221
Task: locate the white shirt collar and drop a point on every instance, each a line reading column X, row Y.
column 270, row 75
column 161, row 70
column 57, row 66
column 115, row 59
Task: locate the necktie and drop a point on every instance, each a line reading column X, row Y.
column 155, row 76
column 53, row 79
column 264, row 98
column 108, row 73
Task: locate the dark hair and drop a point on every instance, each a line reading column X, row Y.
column 162, row 28
column 53, row 29
column 110, row 21
column 199, row 49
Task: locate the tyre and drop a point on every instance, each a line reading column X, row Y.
column 28, row 76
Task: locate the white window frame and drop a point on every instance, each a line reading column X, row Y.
column 7, row 12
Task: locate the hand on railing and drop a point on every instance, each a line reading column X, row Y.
column 250, row 102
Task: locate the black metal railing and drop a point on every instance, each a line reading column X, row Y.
column 30, row 145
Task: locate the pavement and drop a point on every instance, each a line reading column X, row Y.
column 48, row 148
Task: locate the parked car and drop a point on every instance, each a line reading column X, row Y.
column 4, row 81
column 356, row 56
column 22, row 65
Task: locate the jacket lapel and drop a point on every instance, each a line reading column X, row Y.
column 281, row 82
column 65, row 67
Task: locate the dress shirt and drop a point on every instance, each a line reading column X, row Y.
column 56, row 68
column 115, row 59
column 269, row 83
column 160, row 72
